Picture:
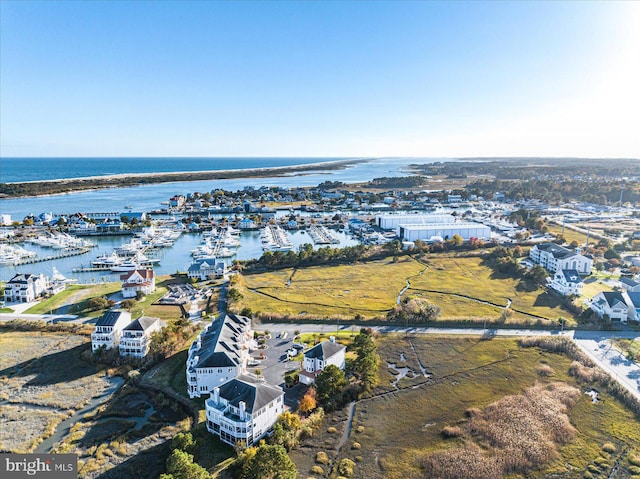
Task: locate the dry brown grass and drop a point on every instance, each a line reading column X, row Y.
column 522, row 431
column 545, row 370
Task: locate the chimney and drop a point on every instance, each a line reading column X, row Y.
column 216, row 395
column 243, row 408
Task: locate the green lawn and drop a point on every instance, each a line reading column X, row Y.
column 463, row 287
column 76, row 297
column 395, row 431
column 369, row 289
column 570, row 235
column 449, row 279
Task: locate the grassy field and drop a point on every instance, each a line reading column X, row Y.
column 463, row 287
column 396, row 430
column 74, row 300
column 369, row 289
column 570, row 235
column 451, row 281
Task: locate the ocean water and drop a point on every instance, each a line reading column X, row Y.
column 149, row 197
column 19, row 170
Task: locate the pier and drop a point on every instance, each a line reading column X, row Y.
column 40, row 259
column 321, row 235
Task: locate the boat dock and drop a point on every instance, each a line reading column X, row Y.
column 322, row 235
column 40, row 259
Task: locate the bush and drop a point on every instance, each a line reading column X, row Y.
column 545, row 370
column 322, row 457
column 346, row 466
column 317, row 470
column 609, row 447
column 451, row 431
column 332, row 430
column 96, row 304
column 356, row 445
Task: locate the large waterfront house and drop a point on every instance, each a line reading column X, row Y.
column 108, row 329
column 143, row 280
column 243, row 409
column 219, row 354
column 567, row 282
column 209, row 268
column 136, row 336
column 554, row 258
column 612, row 304
column 319, row 357
column 25, row 287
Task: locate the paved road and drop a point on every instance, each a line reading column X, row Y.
column 626, row 372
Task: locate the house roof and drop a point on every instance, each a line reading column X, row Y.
column 110, row 318
column 219, row 344
column 141, row 324
column 613, row 298
column 143, row 273
column 324, row 350
column 571, row 276
column 252, row 391
column 635, row 299
column 629, row 282
column 21, row 278
column 558, row 252
column 136, row 285
column 205, row 264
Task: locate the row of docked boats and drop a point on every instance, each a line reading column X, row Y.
column 320, row 234
column 274, row 238
column 10, row 255
column 61, row 241
column 220, row 242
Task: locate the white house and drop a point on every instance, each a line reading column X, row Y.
column 567, row 282
column 109, row 329
column 555, row 258
column 320, row 356
column 247, row 224
column 136, row 336
column 207, row 268
column 633, row 302
column 244, row 408
column 219, row 354
column 25, row 287
column 611, row 303
column 138, row 280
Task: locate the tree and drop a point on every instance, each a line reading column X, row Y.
column 95, row 304
column 330, row 382
column 129, row 304
column 270, row 462
column 140, row 295
column 181, row 466
column 183, row 441
column 537, row 275
column 308, row 402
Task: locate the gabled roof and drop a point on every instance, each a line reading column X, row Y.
column 324, row 350
column 110, row 318
column 635, row 299
column 571, row 276
column 557, row 251
column 252, row 391
column 629, row 282
column 613, row 298
column 219, row 344
column 143, row 273
column 21, row 278
column 141, row 324
column 205, row 264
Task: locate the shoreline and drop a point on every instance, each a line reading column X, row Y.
column 29, row 189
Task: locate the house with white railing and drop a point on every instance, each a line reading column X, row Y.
column 612, row 304
column 108, row 329
column 245, row 408
column 567, row 282
column 136, row 336
column 219, row 354
column 143, row 280
column 25, row 288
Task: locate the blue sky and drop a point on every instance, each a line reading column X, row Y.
column 320, row 78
